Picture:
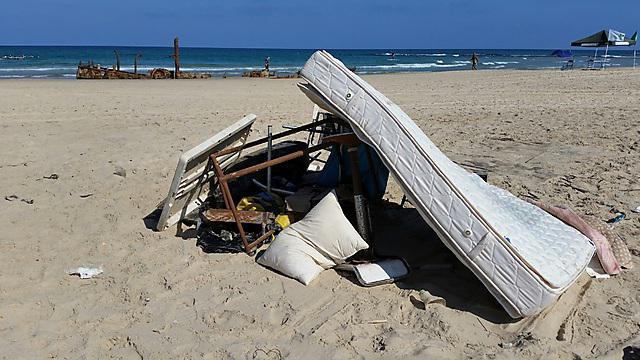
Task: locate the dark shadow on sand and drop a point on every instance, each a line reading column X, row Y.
column 403, row 233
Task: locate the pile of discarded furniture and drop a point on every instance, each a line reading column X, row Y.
column 311, row 200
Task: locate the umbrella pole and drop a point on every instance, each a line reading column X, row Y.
column 606, row 58
column 595, row 57
column 634, row 58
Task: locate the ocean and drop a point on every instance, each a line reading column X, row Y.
column 61, row 61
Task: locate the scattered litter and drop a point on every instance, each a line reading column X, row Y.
column 427, row 298
column 636, row 210
column 381, row 272
column 619, row 217
column 86, row 195
column 260, row 353
column 375, row 322
column 595, row 270
column 86, row 272
column 594, row 274
column 218, row 241
column 120, row 171
column 53, row 176
column 15, row 197
column 378, row 272
column 521, row 340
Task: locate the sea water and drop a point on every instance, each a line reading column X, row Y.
column 61, row 61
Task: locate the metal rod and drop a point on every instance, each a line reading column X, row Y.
column 634, row 58
column 372, row 170
column 362, row 208
column 273, row 162
column 226, row 193
column 269, row 150
column 260, row 239
column 274, row 137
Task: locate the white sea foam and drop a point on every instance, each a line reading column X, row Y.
column 415, row 54
column 490, row 63
column 36, row 69
column 407, row 66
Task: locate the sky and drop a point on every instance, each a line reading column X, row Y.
column 312, row 24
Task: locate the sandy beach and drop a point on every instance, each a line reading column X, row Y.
column 563, row 137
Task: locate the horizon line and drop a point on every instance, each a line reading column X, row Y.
column 293, row 48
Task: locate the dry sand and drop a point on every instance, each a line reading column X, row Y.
column 564, row 137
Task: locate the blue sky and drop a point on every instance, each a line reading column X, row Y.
column 314, row 23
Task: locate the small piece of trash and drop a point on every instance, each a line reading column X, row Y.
column 619, row 217
column 520, row 340
column 53, row 176
column 427, row 298
column 15, row 197
column 120, row 171
column 86, row 195
column 86, row 272
column 636, row 210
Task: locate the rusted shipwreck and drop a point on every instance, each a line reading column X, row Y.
column 95, row 71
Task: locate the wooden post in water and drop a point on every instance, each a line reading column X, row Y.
column 135, row 63
column 117, row 59
column 176, row 58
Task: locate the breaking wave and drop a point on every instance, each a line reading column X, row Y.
column 407, row 66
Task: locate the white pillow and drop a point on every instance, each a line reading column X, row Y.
column 293, row 257
column 327, row 229
column 322, row 239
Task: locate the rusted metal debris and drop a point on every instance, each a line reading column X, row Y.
column 96, row 72
column 264, row 73
column 223, row 178
column 245, row 216
column 259, row 74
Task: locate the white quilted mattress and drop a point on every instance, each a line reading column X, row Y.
column 524, row 256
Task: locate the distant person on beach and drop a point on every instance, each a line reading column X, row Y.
column 474, row 61
column 267, row 60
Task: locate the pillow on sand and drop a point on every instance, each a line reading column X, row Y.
column 291, row 256
column 327, row 229
column 322, row 239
